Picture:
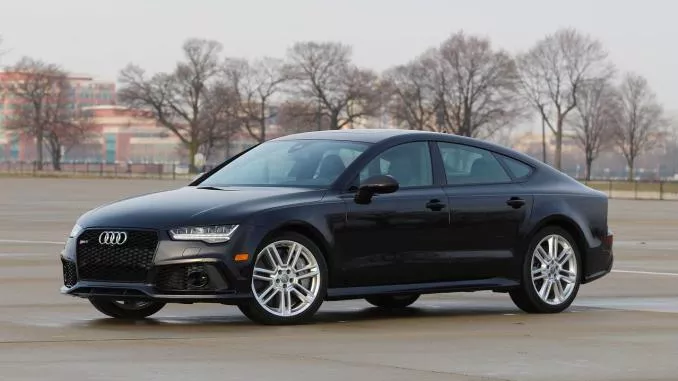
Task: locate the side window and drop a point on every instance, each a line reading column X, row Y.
column 517, row 168
column 470, row 165
column 334, row 161
column 409, row 163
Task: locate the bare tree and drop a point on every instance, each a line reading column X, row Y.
column 413, row 90
column 256, row 85
column 218, row 124
column 181, row 100
column 324, row 76
column 505, row 137
column 597, row 113
column 68, row 125
column 476, row 87
column 44, row 109
column 641, row 119
column 298, row 116
column 69, row 129
column 553, row 70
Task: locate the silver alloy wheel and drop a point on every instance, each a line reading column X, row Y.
column 554, row 269
column 286, row 278
column 131, row 305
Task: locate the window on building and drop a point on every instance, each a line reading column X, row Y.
column 110, row 148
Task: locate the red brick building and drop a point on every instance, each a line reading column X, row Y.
column 85, row 92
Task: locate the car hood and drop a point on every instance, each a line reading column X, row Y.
column 192, row 206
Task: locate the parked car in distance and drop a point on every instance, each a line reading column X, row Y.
column 384, row 215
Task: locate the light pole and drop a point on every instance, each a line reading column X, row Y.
column 543, row 136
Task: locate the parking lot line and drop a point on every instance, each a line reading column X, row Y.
column 644, row 272
column 32, row 242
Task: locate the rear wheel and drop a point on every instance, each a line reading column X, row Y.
column 392, row 301
column 126, row 309
column 551, row 273
column 289, row 281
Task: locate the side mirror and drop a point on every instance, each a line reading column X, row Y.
column 380, row 184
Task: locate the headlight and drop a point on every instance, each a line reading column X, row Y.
column 208, row 234
column 77, row 229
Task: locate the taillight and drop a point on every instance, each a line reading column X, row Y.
column 609, row 238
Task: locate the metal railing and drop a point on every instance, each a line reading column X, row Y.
column 99, row 169
column 637, row 190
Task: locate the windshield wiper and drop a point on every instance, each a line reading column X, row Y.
column 209, row 187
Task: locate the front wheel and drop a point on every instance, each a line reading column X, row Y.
column 126, row 309
column 392, row 301
column 289, row 281
column 551, row 273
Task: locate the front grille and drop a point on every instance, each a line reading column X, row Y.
column 128, row 262
column 70, row 275
column 173, row 278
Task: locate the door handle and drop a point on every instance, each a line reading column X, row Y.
column 435, row 205
column 515, row 202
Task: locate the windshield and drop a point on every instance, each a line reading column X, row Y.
column 305, row 163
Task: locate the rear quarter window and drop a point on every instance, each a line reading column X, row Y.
column 519, row 169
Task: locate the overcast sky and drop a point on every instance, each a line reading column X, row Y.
column 99, row 37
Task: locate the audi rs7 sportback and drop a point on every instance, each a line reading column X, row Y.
column 384, row 215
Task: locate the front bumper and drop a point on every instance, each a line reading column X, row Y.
column 179, row 272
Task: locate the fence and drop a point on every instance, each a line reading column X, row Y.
column 650, row 190
column 638, row 190
column 104, row 170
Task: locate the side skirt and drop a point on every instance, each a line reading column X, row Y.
column 491, row 284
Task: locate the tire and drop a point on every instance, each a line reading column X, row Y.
column 534, row 294
column 298, row 272
column 392, row 301
column 135, row 311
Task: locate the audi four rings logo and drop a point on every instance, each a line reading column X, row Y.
column 112, row 238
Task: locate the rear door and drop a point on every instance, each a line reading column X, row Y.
column 488, row 206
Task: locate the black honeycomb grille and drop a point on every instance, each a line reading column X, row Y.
column 129, row 262
column 70, row 275
column 175, row 278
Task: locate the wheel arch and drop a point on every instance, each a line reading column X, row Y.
column 308, row 231
column 571, row 227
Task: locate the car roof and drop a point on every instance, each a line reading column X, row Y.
column 366, row 135
column 378, row 135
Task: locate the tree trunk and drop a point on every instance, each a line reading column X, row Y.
column 543, row 139
column 589, row 161
column 630, row 163
column 334, row 121
column 262, row 123
column 192, row 151
column 557, row 160
column 262, row 131
column 56, row 158
column 38, row 148
column 466, row 128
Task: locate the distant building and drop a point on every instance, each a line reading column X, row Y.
column 121, row 134
column 85, row 92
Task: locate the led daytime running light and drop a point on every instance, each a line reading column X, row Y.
column 209, row 234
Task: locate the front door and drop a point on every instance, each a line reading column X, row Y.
column 396, row 238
